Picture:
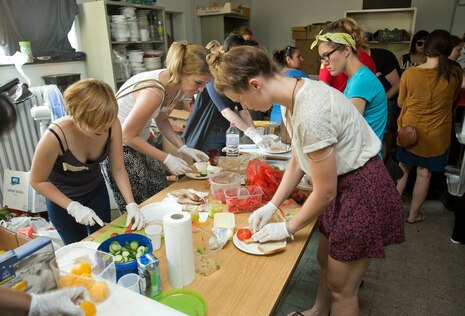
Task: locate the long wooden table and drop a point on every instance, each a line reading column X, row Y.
column 245, row 284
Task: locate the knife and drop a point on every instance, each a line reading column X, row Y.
column 113, row 225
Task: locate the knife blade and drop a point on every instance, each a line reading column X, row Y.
column 113, row 225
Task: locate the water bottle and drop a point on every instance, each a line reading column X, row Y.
column 232, row 141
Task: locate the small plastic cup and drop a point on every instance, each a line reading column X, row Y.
column 130, row 281
column 154, row 233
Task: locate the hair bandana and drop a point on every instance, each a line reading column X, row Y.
column 339, row 38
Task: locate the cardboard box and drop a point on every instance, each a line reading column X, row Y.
column 311, row 63
column 25, row 265
column 314, row 29
column 299, row 32
column 18, row 193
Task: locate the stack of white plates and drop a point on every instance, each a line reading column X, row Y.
column 136, row 61
column 151, row 62
column 119, row 28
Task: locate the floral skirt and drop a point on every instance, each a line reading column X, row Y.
column 146, row 175
column 366, row 215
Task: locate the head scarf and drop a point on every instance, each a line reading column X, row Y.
column 339, row 38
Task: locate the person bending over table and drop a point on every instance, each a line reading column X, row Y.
column 206, row 134
column 356, row 201
column 151, row 96
column 66, row 164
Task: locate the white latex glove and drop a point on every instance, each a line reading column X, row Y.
column 261, row 216
column 83, row 215
column 176, row 165
column 197, row 155
column 136, row 214
column 58, row 302
column 253, row 134
column 273, row 231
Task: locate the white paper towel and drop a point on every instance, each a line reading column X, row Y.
column 179, row 249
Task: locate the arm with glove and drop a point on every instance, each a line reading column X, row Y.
column 324, row 176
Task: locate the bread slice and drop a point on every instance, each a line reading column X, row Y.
column 269, row 248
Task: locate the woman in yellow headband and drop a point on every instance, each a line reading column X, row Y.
column 337, row 50
column 351, row 26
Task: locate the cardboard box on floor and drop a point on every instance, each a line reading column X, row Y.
column 25, row 265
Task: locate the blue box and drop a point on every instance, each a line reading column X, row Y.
column 25, row 265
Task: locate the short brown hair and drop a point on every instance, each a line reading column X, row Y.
column 91, row 102
column 184, row 59
column 350, row 26
column 232, row 70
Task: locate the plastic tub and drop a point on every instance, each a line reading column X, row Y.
column 224, row 183
column 248, row 200
column 102, row 266
column 125, row 239
column 206, row 252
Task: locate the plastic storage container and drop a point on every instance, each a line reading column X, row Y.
column 206, row 252
column 125, row 239
column 224, row 182
column 248, row 200
column 102, row 266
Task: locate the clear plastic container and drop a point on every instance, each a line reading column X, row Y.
column 206, row 252
column 248, row 200
column 103, row 271
column 224, row 182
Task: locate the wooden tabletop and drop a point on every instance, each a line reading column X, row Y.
column 245, row 284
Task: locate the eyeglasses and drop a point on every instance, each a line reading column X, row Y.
column 326, row 57
column 420, row 43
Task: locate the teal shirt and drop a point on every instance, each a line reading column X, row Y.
column 365, row 85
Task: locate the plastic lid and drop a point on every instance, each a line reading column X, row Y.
column 184, row 300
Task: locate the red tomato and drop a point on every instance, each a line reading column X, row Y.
column 114, row 234
column 130, row 226
column 128, row 231
column 244, row 234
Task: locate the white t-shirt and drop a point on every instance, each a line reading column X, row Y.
column 322, row 117
column 126, row 103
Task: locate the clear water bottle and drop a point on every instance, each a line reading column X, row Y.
column 232, row 141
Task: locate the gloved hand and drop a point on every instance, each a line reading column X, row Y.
column 176, row 165
column 253, row 134
column 136, row 214
column 261, row 216
column 58, row 302
column 273, row 231
column 83, row 215
column 197, row 155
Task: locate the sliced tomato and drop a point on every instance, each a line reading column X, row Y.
column 244, row 234
column 128, row 231
column 114, row 234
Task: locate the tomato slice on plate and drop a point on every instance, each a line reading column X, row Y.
column 244, row 234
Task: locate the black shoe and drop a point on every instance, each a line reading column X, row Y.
column 457, row 242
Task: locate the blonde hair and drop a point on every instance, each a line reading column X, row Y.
column 213, row 45
column 91, row 103
column 232, row 70
column 353, row 28
column 184, row 59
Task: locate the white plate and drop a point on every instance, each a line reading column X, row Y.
column 155, row 211
column 277, row 151
column 248, row 248
column 194, row 175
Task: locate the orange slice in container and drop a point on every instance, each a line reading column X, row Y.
column 99, row 291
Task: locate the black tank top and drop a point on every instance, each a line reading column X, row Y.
column 72, row 177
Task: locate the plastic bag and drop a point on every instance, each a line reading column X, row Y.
column 265, row 176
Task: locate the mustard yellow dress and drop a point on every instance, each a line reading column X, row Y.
column 427, row 104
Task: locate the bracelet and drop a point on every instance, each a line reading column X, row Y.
column 291, row 234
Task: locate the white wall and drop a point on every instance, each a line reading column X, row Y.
column 271, row 20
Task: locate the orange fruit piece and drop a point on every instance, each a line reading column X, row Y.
column 99, row 291
column 84, row 280
column 88, row 308
column 81, row 267
column 66, row 281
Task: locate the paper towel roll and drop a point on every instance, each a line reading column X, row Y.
column 179, row 249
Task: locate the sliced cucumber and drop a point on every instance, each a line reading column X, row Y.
column 119, row 258
column 125, row 253
column 114, row 247
column 134, row 245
